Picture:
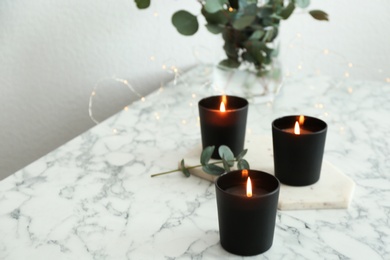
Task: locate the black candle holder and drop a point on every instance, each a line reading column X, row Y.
column 298, row 158
column 223, row 128
column 247, row 224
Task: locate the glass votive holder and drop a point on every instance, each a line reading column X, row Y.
column 247, row 223
column 298, row 147
column 223, row 122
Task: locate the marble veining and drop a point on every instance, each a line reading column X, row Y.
column 93, row 197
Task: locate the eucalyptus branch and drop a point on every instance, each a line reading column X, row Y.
column 228, row 161
column 180, row 169
column 249, row 28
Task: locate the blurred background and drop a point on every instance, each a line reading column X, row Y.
column 55, row 54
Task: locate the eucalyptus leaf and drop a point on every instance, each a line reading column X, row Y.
column 243, row 21
column 244, row 3
column 185, row 22
column 213, row 169
column 269, row 35
column 227, row 154
column 256, row 35
column 215, row 29
column 319, row 15
column 245, row 16
column 230, row 50
column 256, row 49
column 206, row 155
column 242, row 164
column 241, row 155
column 219, row 18
column 302, row 3
column 213, row 6
column 226, row 165
column 142, row 4
column 183, row 169
column 246, row 56
column 229, row 63
column 286, row 12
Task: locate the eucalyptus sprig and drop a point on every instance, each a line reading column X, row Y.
column 248, row 27
column 228, row 160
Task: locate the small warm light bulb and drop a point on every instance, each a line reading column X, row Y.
column 249, row 187
column 297, row 129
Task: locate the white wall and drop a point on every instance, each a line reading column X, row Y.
column 52, row 54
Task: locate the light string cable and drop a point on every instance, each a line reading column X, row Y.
column 94, row 92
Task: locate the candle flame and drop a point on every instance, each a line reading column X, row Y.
column 297, row 129
column 301, row 119
column 222, row 107
column 249, row 187
column 244, row 173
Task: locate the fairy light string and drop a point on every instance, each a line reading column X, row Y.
column 341, row 66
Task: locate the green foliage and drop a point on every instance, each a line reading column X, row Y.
column 183, row 169
column 212, row 168
column 319, row 15
column 228, row 160
column 249, row 28
column 142, row 4
column 185, row 22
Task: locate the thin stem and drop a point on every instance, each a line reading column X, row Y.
column 188, row 168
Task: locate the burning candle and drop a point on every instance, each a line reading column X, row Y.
column 298, row 143
column 223, row 122
column 247, row 205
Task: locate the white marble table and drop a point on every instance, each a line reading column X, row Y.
column 93, row 198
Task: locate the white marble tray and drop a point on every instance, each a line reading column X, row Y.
column 334, row 189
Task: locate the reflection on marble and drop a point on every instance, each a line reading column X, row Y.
column 93, row 197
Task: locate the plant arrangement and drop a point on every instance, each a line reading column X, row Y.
column 228, row 161
column 248, row 27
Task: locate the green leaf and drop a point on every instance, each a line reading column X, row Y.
column 227, row 154
column 229, row 63
column 257, row 35
column 269, row 36
column 243, row 21
column 213, row 6
column 213, row 169
column 242, row 164
column 319, row 15
column 142, row 4
column 245, row 16
column 221, row 17
column 185, row 22
column 206, row 154
column 183, row 169
column 248, row 57
column 226, row 165
column 214, row 28
column 302, row 3
column 241, row 155
column 286, row 12
column 256, row 49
